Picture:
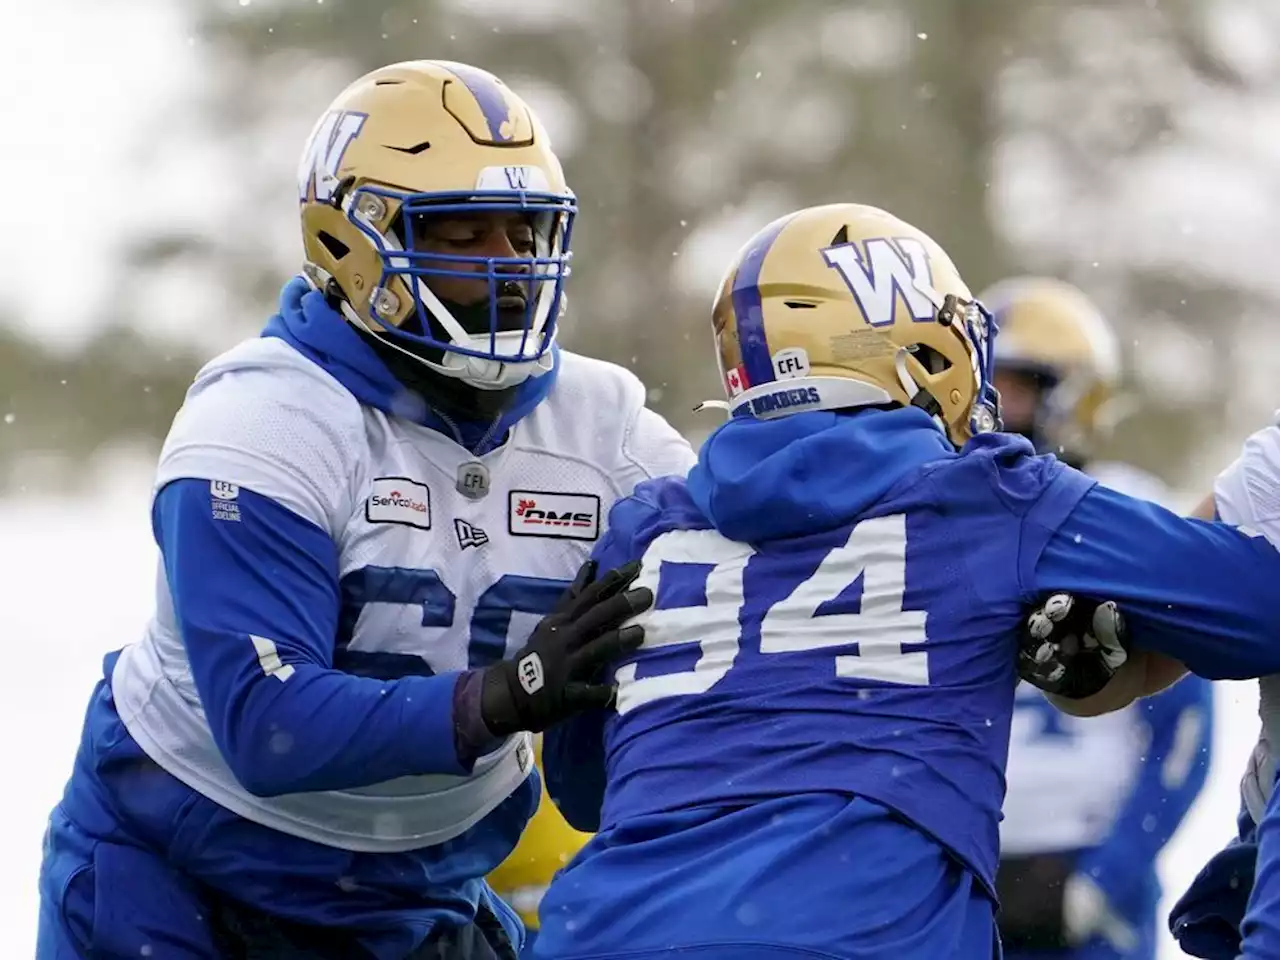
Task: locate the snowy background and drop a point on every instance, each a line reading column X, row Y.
column 148, row 149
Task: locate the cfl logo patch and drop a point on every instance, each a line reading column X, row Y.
column 532, row 677
column 224, row 490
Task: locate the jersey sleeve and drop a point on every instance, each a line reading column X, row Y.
column 277, row 431
column 653, row 448
column 1198, row 591
column 574, row 769
column 1036, row 494
column 1260, row 927
column 650, row 447
column 250, row 492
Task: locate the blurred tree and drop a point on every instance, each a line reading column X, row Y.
column 1015, row 132
column 685, row 126
column 117, row 387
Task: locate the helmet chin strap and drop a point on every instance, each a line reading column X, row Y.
column 480, row 373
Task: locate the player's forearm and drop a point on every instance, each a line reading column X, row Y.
column 256, row 602
column 1144, row 674
column 1121, row 690
column 325, row 730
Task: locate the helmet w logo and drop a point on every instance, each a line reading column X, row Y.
column 318, row 171
column 890, row 267
column 517, row 177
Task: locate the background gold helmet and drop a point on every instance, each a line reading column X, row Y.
column 420, row 140
column 846, row 306
column 1056, row 350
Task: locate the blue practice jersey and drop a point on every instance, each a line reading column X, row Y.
column 873, row 655
column 837, row 605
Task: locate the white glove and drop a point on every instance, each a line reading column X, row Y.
column 1086, row 913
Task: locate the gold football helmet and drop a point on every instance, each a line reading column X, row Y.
column 420, row 140
column 846, row 306
column 1056, row 340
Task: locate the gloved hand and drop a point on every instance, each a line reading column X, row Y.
column 1071, row 646
column 558, row 672
column 1086, row 914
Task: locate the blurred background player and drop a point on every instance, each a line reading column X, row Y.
column 1090, row 802
column 546, row 845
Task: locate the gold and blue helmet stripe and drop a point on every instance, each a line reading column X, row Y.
column 501, row 115
column 748, row 305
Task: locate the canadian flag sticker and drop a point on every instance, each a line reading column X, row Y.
column 736, row 380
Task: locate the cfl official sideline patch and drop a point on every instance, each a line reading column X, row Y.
column 223, row 500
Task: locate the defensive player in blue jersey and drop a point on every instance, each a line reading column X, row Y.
column 367, row 520
column 807, row 753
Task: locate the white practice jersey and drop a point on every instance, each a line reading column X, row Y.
column 387, row 491
column 1068, row 776
column 1247, row 495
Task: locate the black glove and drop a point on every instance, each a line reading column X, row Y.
column 558, row 672
column 1071, row 646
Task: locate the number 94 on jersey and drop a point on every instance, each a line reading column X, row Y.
column 720, row 602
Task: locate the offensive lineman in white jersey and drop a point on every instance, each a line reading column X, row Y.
column 1090, row 803
column 317, row 748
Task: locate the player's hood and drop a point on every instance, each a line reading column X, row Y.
column 799, row 474
column 320, row 334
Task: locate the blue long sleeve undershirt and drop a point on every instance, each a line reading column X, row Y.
column 270, row 578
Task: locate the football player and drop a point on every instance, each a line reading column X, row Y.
column 1090, row 803
column 1232, row 908
column 547, row 844
column 807, row 752
column 372, row 522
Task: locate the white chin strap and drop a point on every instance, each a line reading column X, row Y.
column 485, row 373
column 482, row 373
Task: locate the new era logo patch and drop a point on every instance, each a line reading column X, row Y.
column 568, row 516
column 399, row 500
column 469, row 535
